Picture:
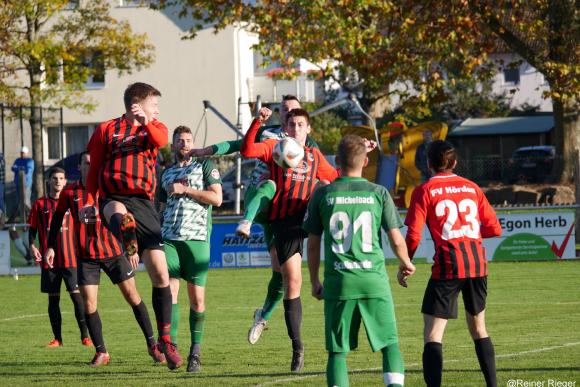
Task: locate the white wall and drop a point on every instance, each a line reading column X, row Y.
column 185, row 71
column 529, row 91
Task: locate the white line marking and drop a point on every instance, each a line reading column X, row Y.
column 46, row 314
column 280, row 381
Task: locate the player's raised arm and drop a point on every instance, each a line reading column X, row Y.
column 249, row 146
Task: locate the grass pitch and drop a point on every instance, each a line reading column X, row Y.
column 533, row 317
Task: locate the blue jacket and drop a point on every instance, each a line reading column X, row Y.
column 26, row 165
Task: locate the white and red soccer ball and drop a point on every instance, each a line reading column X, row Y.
column 288, row 153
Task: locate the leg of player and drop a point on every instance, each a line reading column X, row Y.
column 131, row 295
column 273, row 297
column 175, row 315
column 336, row 369
column 79, row 307
column 90, row 294
column 483, row 346
column 393, row 366
column 122, row 224
column 55, row 319
column 256, row 200
column 156, row 265
column 196, row 325
column 292, row 274
column 434, row 327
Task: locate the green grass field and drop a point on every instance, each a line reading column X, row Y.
column 533, row 317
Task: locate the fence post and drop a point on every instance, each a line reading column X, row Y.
column 577, row 191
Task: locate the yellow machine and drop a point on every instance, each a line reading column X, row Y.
column 393, row 165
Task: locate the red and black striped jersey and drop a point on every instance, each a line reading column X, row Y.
column 293, row 186
column 39, row 220
column 94, row 240
column 458, row 216
column 123, row 158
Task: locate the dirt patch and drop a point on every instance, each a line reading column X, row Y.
column 500, row 194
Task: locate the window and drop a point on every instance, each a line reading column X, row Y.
column 512, row 76
column 72, row 4
column 77, row 138
column 97, row 64
column 54, row 142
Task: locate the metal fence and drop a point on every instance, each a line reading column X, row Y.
column 490, row 169
column 16, row 132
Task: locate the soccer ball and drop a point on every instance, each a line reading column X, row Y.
column 288, row 153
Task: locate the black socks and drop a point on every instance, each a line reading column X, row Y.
column 293, row 317
column 96, row 330
column 486, row 356
column 142, row 317
column 432, row 364
column 55, row 316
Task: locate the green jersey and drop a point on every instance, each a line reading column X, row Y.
column 351, row 211
column 184, row 218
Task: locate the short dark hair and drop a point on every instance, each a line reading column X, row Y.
column 138, row 92
column 290, row 97
column 298, row 113
column 181, row 129
column 54, row 170
column 441, row 155
column 351, row 152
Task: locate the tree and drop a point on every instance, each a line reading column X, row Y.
column 49, row 50
column 416, row 50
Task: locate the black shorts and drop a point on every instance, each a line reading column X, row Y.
column 50, row 279
column 440, row 298
column 288, row 236
column 147, row 218
column 118, row 269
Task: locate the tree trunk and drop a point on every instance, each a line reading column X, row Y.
column 37, row 156
column 566, row 132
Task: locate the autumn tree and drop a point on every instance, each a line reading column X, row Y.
column 50, row 48
column 416, row 50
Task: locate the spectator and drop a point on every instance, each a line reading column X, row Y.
column 421, row 156
column 26, row 165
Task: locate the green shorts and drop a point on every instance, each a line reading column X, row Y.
column 342, row 323
column 188, row 260
column 261, row 217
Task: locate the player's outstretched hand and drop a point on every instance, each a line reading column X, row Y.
column 139, row 114
column 49, row 257
column 88, row 214
column 264, row 114
column 370, row 145
column 317, row 290
column 35, row 253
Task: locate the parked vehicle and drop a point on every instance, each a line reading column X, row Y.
column 532, row 163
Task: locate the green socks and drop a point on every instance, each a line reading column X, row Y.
column 274, row 296
column 196, row 323
column 393, row 366
column 336, row 371
column 174, row 322
column 260, row 200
